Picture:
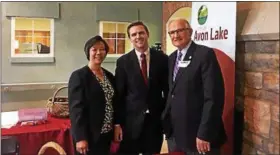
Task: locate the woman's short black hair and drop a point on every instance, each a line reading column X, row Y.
column 92, row 41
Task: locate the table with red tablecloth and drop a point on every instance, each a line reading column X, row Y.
column 32, row 138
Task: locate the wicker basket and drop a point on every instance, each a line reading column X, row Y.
column 53, row 145
column 58, row 105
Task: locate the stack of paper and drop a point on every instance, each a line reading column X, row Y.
column 9, row 119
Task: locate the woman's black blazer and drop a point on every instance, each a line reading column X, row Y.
column 87, row 104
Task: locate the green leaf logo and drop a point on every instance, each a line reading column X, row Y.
column 202, row 15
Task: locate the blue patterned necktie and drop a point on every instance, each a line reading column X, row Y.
column 176, row 67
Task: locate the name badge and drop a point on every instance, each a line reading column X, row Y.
column 184, row 64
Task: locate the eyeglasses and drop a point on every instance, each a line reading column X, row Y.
column 171, row 33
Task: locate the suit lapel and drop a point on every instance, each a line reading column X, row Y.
column 188, row 57
column 171, row 66
column 152, row 66
column 94, row 83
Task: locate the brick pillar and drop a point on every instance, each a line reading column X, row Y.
column 257, row 90
column 168, row 8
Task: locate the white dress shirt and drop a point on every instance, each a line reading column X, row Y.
column 184, row 51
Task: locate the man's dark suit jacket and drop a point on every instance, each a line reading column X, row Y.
column 86, row 104
column 195, row 100
column 134, row 97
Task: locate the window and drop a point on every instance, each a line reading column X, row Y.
column 32, row 37
column 115, row 35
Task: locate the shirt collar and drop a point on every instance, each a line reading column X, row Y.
column 147, row 53
column 184, row 50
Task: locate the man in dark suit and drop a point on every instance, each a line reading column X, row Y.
column 142, row 87
column 193, row 116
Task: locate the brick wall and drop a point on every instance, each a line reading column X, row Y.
column 168, row 9
column 257, row 94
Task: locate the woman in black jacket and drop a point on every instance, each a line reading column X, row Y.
column 91, row 102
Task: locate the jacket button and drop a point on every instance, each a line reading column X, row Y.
column 172, row 96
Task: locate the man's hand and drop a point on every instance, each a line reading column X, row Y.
column 118, row 135
column 202, row 146
column 82, row 147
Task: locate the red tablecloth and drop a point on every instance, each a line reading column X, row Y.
column 32, row 138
